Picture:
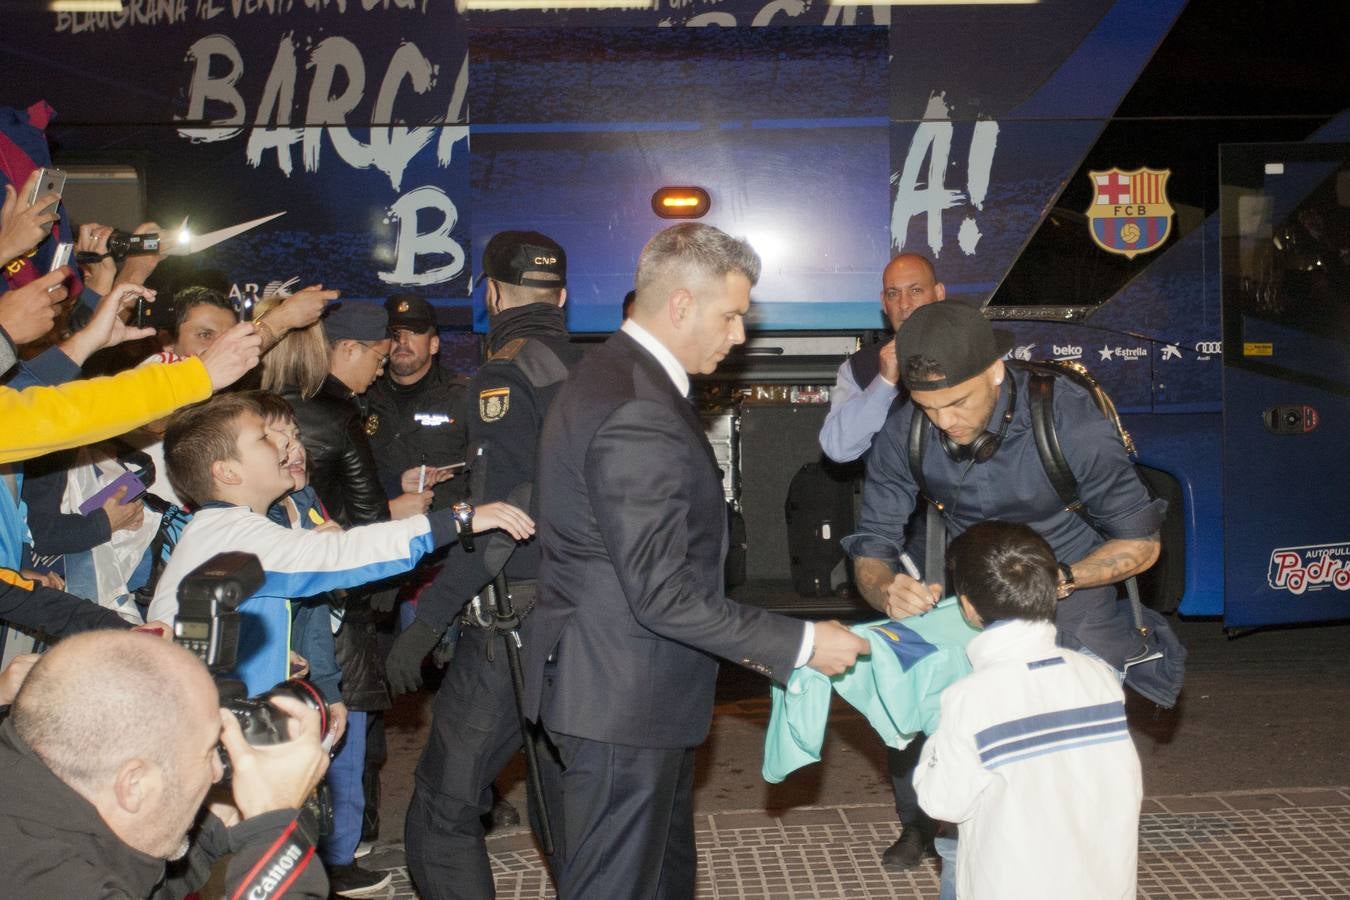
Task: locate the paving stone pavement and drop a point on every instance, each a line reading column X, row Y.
column 1290, row 842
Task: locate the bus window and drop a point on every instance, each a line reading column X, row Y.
column 1063, row 267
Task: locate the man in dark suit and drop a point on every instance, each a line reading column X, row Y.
column 631, row 611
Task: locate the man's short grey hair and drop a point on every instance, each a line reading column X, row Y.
column 100, row 699
column 693, row 253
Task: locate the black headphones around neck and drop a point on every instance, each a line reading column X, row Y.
column 983, row 448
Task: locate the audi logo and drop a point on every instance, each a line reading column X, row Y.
column 1209, row 348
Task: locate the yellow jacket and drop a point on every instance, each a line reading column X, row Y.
column 40, row 420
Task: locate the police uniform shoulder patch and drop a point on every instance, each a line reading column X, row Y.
column 508, row 350
column 372, row 424
column 494, row 403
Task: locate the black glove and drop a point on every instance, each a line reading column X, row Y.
column 403, row 667
column 383, row 600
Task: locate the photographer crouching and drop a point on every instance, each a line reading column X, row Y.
column 110, row 748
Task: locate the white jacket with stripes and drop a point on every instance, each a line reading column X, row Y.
column 1033, row 759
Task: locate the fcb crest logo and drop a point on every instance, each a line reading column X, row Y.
column 1129, row 212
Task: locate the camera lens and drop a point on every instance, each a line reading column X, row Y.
column 306, row 693
column 263, row 724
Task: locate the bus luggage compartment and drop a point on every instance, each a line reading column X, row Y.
column 763, row 411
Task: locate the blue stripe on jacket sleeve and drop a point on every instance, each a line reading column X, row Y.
column 1122, row 735
column 1053, row 737
column 293, row 585
column 1081, row 715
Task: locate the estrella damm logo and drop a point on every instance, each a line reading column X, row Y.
column 1130, row 213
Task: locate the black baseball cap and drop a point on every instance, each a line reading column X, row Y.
column 352, row 320
column 410, row 311
column 526, row 258
column 955, row 338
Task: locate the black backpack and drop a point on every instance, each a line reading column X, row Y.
column 818, row 511
column 1157, row 669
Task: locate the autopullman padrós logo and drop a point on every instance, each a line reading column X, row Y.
column 1313, row 568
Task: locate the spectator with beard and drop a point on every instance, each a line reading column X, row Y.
column 866, row 391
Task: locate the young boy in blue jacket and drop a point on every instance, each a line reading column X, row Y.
column 219, row 454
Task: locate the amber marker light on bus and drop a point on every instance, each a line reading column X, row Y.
column 681, row 203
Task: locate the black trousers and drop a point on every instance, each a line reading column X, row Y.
column 627, row 821
column 377, row 753
column 474, row 733
column 901, row 764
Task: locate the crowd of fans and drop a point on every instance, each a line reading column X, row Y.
column 321, row 438
column 116, row 486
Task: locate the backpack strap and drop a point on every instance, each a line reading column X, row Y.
column 1041, row 392
column 918, row 440
column 935, row 529
column 173, row 519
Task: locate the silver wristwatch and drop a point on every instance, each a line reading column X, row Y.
column 463, row 513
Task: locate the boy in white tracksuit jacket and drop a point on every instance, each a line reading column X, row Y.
column 1032, row 756
column 219, row 453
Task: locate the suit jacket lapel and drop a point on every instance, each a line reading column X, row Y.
column 657, row 372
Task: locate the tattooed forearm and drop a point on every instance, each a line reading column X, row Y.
column 1115, row 561
column 873, row 577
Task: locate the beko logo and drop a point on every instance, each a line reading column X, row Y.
column 1209, row 348
column 1068, row 351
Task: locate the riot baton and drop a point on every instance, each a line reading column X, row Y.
column 508, row 625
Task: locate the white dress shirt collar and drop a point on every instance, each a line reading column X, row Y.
column 662, row 353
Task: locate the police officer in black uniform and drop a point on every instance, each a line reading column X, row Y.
column 416, row 410
column 415, row 417
column 475, row 730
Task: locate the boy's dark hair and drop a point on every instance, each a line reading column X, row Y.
column 196, row 295
column 273, row 407
column 201, row 435
column 1006, row 570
